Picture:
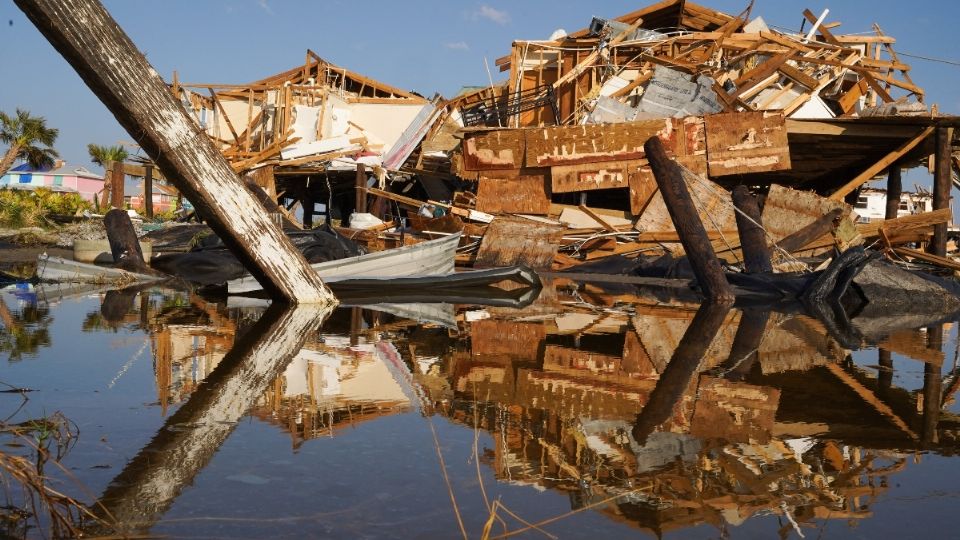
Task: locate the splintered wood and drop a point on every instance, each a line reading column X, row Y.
column 786, row 211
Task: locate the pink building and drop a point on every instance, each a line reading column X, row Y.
column 62, row 178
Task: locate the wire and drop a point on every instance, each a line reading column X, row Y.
column 929, row 59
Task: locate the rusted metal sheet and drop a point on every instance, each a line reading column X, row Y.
column 587, row 176
column 787, row 210
column 491, row 150
column 512, row 241
column 525, row 194
column 736, row 412
column 746, row 142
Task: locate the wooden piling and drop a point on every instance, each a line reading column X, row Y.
column 753, row 241
column 941, row 188
column 746, row 343
column 361, row 185
column 148, row 190
column 686, row 220
column 115, row 70
column 124, row 244
column 117, row 177
column 894, row 189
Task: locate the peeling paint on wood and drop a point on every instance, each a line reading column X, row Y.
column 788, row 210
column 746, row 142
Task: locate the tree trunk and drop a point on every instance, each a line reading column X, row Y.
column 8, row 158
column 118, row 73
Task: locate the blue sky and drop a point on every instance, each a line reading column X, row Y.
column 423, row 45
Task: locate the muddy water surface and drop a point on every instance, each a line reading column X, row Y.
column 585, row 414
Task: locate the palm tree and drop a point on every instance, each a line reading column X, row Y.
column 111, row 158
column 28, row 138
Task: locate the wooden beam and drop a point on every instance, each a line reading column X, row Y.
column 881, row 165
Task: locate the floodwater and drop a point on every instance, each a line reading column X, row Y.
column 589, row 413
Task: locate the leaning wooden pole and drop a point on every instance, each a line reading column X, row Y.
column 894, row 191
column 686, row 220
column 753, row 239
column 105, row 58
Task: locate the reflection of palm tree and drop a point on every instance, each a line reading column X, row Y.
column 28, row 138
column 24, row 334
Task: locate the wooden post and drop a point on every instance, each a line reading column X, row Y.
column 148, row 190
column 361, row 184
column 753, row 241
column 306, row 201
column 941, row 189
column 112, row 66
column 894, row 189
column 683, row 364
column 686, row 220
column 117, row 177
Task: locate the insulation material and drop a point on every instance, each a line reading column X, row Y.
column 513, row 241
column 672, row 93
column 748, row 142
column 608, row 110
column 525, row 194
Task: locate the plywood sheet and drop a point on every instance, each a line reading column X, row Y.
column 746, row 142
column 589, row 176
column 491, row 150
column 512, row 241
column 713, row 203
column 528, row 194
column 786, row 211
column 592, row 143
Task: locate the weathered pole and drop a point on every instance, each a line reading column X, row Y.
column 894, row 189
column 885, row 374
column 148, row 190
column 105, row 58
column 124, row 244
column 817, row 228
column 361, row 185
column 686, row 220
column 117, row 177
column 941, row 188
column 753, row 241
column 746, row 343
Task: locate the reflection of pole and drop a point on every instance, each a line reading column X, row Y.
column 683, row 364
column 153, row 479
column 743, row 352
column 885, row 376
column 932, row 386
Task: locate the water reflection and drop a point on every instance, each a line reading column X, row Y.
column 658, row 416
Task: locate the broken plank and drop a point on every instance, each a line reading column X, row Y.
column 746, row 142
column 513, row 241
column 525, row 194
column 881, row 165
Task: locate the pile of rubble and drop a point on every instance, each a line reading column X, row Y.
column 548, row 168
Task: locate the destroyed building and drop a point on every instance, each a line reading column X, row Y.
column 555, row 152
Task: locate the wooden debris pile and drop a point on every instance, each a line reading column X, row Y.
column 677, row 58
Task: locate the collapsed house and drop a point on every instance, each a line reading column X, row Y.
column 548, row 168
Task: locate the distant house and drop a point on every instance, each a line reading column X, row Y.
column 63, row 177
column 871, row 204
column 164, row 196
